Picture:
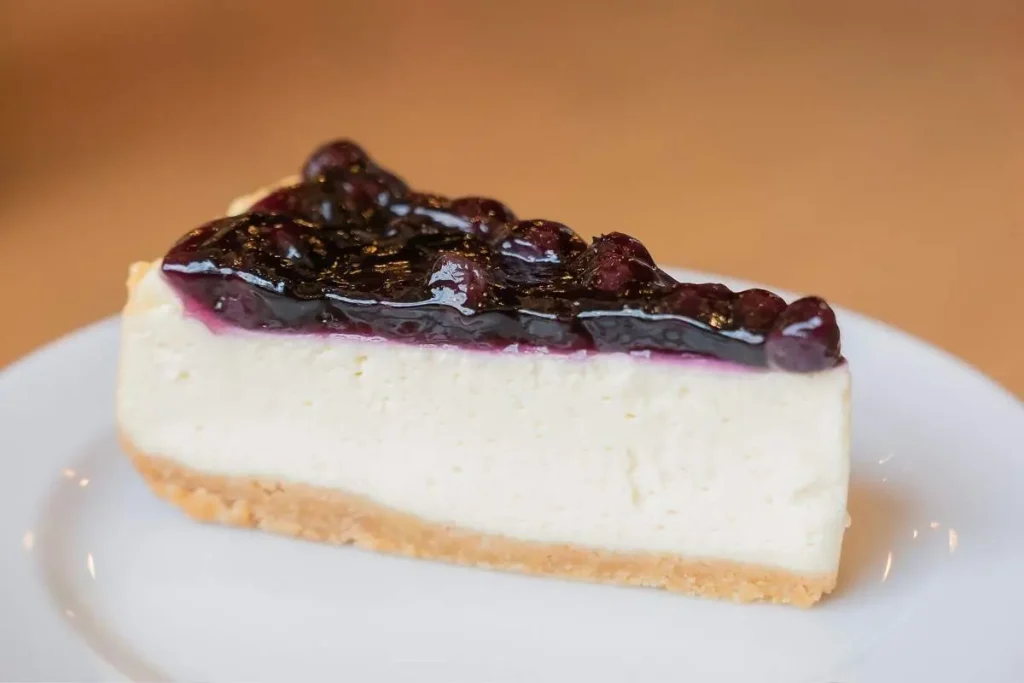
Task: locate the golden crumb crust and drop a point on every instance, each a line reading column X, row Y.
column 332, row 516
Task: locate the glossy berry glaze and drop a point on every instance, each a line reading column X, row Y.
column 351, row 249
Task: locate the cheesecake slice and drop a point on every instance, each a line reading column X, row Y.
column 346, row 360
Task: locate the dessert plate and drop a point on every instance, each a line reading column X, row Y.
column 101, row 581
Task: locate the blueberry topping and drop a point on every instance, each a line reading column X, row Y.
column 257, row 271
column 455, row 280
column 616, row 264
column 338, row 154
column 473, row 215
column 540, row 241
column 310, row 201
column 485, row 216
column 338, row 197
column 434, row 207
column 804, row 338
column 757, row 309
column 364, row 191
column 351, row 249
column 625, row 246
column 711, row 304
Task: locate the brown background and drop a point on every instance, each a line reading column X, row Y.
column 872, row 152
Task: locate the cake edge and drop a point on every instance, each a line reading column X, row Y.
column 336, row 517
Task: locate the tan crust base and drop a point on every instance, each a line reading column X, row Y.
column 334, row 517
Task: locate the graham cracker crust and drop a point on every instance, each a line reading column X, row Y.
column 330, row 516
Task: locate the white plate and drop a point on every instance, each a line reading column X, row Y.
column 100, row 580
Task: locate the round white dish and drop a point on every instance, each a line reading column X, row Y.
column 99, row 580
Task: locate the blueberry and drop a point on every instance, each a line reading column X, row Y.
column 435, row 207
column 422, row 203
column 486, row 217
column 711, row 304
column 473, row 215
column 540, row 241
column 614, row 264
column 757, row 309
column 715, row 291
column 338, row 154
column 804, row 338
column 308, row 201
column 364, row 191
column 625, row 245
column 456, row 280
column 609, row 274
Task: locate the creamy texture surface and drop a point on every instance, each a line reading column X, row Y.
column 607, row 450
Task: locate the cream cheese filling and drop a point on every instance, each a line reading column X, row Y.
column 606, row 450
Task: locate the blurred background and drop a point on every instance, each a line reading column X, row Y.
column 871, row 152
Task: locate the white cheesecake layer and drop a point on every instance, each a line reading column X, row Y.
column 610, row 450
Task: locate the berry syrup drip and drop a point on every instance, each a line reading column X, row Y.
column 352, row 249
